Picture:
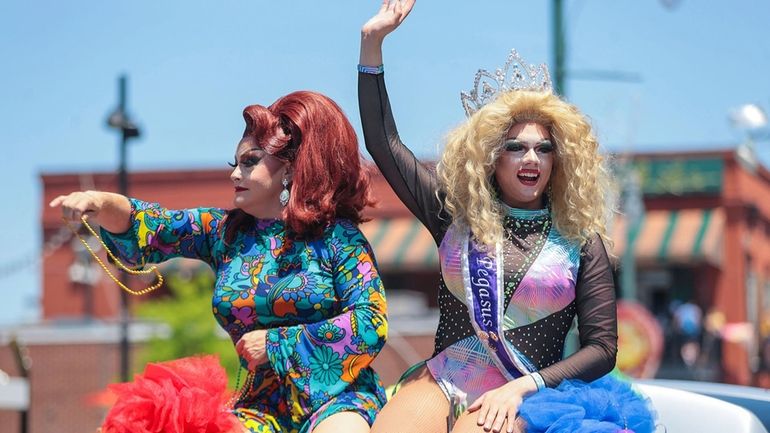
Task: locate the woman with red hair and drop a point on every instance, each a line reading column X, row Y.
column 297, row 288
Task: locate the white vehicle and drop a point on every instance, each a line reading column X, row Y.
column 703, row 407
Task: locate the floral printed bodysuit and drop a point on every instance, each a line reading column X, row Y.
column 321, row 301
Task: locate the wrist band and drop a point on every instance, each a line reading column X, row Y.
column 373, row 70
column 538, row 380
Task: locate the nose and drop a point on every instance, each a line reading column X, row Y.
column 235, row 175
column 531, row 156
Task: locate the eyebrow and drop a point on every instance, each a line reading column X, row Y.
column 252, row 149
column 541, row 142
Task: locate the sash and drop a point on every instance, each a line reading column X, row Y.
column 483, row 278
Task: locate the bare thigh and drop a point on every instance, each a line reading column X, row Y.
column 467, row 423
column 343, row 422
column 419, row 406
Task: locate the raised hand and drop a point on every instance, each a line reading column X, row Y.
column 391, row 14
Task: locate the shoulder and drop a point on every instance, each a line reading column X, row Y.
column 345, row 232
column 206, row 219
column 573, row 247
column 210, row 214
column 591, row 249
column 594, row 245
column 344, row 240
column 594, row 252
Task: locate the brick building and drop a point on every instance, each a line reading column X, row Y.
column 705, row 237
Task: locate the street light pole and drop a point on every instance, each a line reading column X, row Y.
column 119, row 120
column 559, row 48
column 125, row 319
column 24, row 363
column 633, row 208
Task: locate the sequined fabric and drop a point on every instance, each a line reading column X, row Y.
column 465, row 369
column 540, row 275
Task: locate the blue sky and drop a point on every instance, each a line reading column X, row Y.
column 194, row 65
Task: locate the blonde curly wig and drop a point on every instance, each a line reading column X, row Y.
column 580, row 181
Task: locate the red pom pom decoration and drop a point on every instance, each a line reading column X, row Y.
column 187, row 395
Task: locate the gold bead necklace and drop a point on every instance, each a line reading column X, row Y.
column 118, row 263
column 242, row 389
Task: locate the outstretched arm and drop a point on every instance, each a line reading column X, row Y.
column 140, row 232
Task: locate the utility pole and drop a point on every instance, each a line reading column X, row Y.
column 633, row 203
column 633, row 208
column 120, row 120
column 559, row 49
column 24, row 363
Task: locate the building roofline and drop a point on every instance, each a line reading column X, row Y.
column 708, row 153
column 95, row 332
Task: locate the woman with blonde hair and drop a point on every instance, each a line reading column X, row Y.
column 517, row 207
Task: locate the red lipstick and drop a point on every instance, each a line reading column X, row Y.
column 528, row 177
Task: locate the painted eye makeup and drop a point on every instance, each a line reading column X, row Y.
column 513, row 146
column 545, row 146
column 248, row 159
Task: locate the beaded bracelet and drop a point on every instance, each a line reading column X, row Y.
column 538, row 380
column 373, row 70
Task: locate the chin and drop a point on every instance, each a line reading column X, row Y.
column 238, row 203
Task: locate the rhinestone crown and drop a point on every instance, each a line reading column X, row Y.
column 516, row 74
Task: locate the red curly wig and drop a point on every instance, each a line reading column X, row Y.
column 329, row 181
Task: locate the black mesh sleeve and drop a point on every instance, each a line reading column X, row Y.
column 415, row 184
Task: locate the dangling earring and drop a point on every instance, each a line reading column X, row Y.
column 549, row 195
column 284, row 197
